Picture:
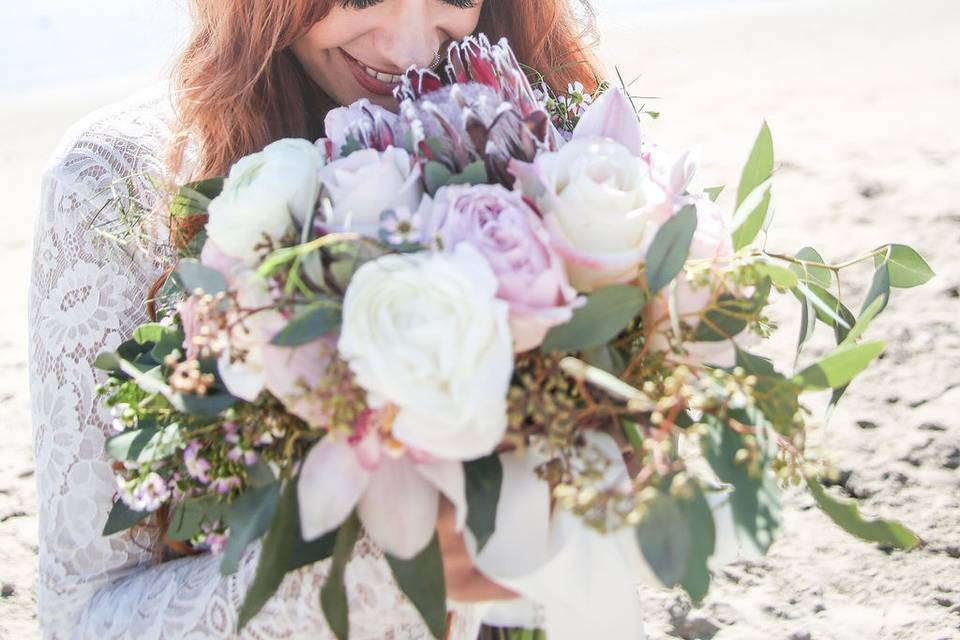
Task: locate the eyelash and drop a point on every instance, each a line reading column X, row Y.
column 366, row 4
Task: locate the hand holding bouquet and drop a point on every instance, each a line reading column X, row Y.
column 510, row 300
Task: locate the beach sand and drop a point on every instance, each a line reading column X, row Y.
column 861, row 97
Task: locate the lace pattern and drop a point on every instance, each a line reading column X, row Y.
column 86, row 294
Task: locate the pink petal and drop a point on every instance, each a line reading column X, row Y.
column 447, row 477
column 331, row 483
column 399, row 509
column 612, row 116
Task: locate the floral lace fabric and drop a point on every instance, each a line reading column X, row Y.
column 86, row 294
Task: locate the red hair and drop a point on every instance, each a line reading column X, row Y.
column 238, row 87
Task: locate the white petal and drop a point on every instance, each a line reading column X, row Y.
column 399, row 509
column 448, row 478
column 245, row 380
column 331, row 483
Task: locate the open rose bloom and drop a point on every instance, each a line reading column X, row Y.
column 462, row 302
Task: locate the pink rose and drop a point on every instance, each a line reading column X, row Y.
column 510, row 235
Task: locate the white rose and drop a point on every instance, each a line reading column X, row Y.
column 601, row 205
column 263, row 195
column 426, row 333
column 366, row 183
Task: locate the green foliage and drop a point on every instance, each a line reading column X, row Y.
column 811, row 273
column 607, row 312
column 436, row 175
column 670, row 248
column 122, row 517
column 193, row 198
column 333, row 595
column 846, row 515
column 146, row 444
column 907, row 268
column 421, row 579
column 728, row 315
column 194, row 276
column 249, row 518
column 755, row 500
column 188, row 517
column 839, row 367
column 753, row 193
column 714, row 192
column 316, row 321
column 275, row 554
column 484, row 478
column 879, row 288
column 777, row 397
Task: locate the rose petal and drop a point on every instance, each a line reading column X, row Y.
column 331, row 483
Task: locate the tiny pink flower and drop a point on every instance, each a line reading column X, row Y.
column 197, row 467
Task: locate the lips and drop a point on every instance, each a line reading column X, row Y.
column 373, row 80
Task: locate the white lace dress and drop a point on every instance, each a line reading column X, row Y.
column 86, row 295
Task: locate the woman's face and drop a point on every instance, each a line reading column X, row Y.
column 363, row 46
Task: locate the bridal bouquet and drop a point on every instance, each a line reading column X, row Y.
column 508, row 299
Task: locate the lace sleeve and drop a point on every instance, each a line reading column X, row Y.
column 86, row 295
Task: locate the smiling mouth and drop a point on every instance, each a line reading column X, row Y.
column 373, row 80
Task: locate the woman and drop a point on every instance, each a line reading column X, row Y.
column 253, row 71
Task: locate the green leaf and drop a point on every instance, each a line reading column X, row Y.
column 484, row 478
column 830, row 311
column 107, row 361
column 206, row 406
column 333, row 595
column 664, row 539
column 755, row 501
column 670, row 248
column 275, row 556
column 907, row 267
column 249, row 518
column 317, row 321
column 188, row 517
column 473, row 173
column 605, row 357
column 122, row 517
column 193, row 276
column 146, row 444
column 879, row 288
column 435, row 176
column 808, row 323
column 820, row 276
column 846, row 515
column 729, row 315
column 758, row 169
column 751, row 216
column 869, row 313
column 840, row 367
column 607, row 312
column 714, row 192
column 702, row 530
column 781, row 276
column 193, row 198
column 777, row 397
column 421, row 579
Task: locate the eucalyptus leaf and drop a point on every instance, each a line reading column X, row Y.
column 607, row 312
column 317, row 321
column 473, row 173
column 750, row 217
column 122, row 517
column 879, row 288
column 869, row 313
column 702, row 531
column 839, row 367
column 249, row 518
column 830, row 311
column 846, row 515
column 907, row 267
column 811, row 273
column 421, row 579
column 484, row 478
column 194, row 276
column 145, row 444
column 780, row 276
column 670, row 249
column 436, row 176
column 758, row 169
column 808, row 323
column 275, row 554
column 755, row 500
column 206, row 406
column 189, row 516
column 664, row 539
column 193, row 198
column 333, row 595
column 728, row 315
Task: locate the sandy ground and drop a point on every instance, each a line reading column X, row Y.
column 862, row 98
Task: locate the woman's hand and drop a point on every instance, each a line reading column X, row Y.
column 464, row 582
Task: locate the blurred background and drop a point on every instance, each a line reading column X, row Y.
column 862, row 97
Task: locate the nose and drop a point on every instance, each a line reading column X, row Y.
column 412, row 34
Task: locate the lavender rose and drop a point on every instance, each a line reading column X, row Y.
column 510, row 235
